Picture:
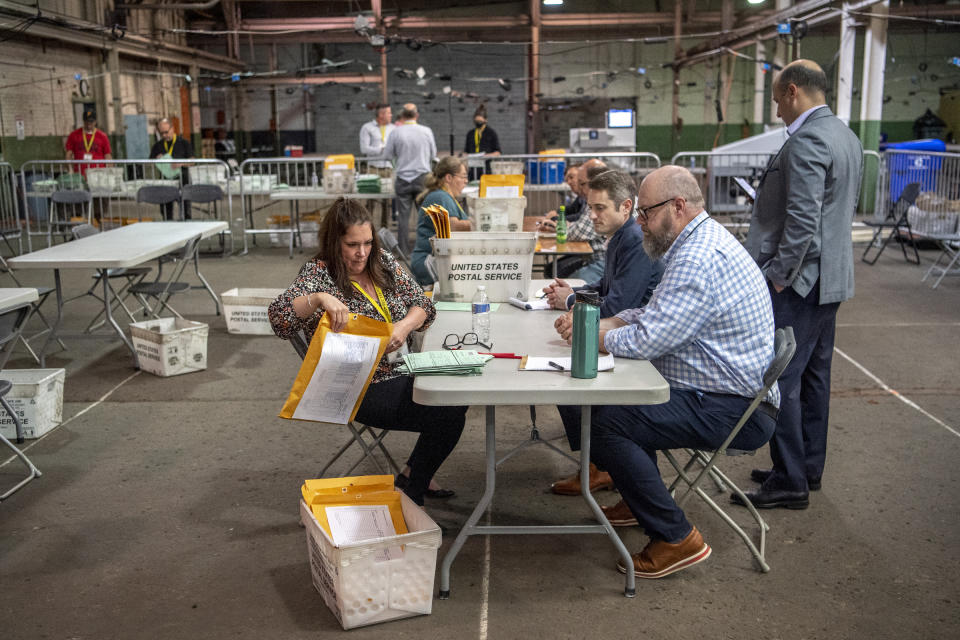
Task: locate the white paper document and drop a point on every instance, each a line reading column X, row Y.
column 536, row 304
column 507, row 191
column 363, row 522
column 534, row 363
column 345, row 363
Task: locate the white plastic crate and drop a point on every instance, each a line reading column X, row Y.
column 215, row 174
column 170, row 346
column 246, row 310
column 497, row 214
column 506, row 167
column 37, row 397
column 105, row 179
column 359, row 589
column 500, row 261
column 338, row 180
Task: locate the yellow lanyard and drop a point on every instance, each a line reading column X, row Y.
column 383, row 133
column 87, row 146
column 172, row 142
column 381, row 308
column 476, row 138
column 457, row 202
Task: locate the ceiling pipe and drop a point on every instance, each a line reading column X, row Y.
column 191, row 6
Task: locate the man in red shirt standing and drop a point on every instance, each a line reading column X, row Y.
column 88, row 143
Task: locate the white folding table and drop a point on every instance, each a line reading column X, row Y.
column 502, row 383
column 125, row 247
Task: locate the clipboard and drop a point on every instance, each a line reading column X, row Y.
column 332, row 390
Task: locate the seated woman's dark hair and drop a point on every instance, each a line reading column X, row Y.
column 343, row 214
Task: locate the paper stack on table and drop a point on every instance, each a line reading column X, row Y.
column 444, row 363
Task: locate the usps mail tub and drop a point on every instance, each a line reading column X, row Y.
column 246, row 310
column 502, row 262
column 170, row 346
column 360, row 587
column 497, row 214
column 37, row 397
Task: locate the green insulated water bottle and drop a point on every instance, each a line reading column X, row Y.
column 586, row 335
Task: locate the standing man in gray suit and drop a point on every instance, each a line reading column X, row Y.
column 800, row 235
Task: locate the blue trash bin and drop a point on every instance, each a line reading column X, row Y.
column 906, row 168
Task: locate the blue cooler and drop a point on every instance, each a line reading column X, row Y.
column 551, row 171
column 533, row 172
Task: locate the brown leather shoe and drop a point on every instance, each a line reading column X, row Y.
column 619, row 515
column 659, row 558
column 571, row 486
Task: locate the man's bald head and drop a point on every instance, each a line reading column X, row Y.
column 672, row 181
column 806, row 75
column 583, row 177
column 409, row 112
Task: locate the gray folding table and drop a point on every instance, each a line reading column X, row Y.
column 532, row 333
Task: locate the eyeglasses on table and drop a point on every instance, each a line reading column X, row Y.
column 453, row 341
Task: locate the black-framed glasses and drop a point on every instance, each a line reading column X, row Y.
column 644, row 212
column 453, row 342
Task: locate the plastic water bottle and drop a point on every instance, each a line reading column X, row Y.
column 586, row 335
column 561, row 225
column 314, row 181
column 481, row 315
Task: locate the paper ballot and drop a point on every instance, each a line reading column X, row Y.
column 363, row 522
column 341, row 374
column 537, row 304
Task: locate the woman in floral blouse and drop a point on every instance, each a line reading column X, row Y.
column 351, row 274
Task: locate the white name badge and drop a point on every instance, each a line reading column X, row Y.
column 88, row 156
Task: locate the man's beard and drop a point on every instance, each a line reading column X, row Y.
column 656, row 243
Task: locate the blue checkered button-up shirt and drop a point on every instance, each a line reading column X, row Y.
column 709, row 324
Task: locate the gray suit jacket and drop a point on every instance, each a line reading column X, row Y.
column 801, row 224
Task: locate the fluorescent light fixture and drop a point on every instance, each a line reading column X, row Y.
column 755, row 1
column 552, row 2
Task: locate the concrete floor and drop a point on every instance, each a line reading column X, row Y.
column 168, row 506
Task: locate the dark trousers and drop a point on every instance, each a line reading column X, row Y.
column 625, row 441
column 570, row 417
column 389, row 405
column 406, row 192
column 799, row 445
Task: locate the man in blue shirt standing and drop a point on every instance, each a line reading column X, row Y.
column 708, row 329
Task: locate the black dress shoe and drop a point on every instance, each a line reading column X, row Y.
column 438, row 494
column 771, row 499
column 761, row 475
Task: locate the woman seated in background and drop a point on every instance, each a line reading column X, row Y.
column 351, row 274
column 443, row 187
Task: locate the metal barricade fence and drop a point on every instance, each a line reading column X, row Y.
column 10, row 227
column 868, row 186
column 937, row 207
column 545, row 188
column 284, row 198
column 113, row 187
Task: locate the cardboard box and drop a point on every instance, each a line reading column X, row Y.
column 37, row 397
column 170, row 346
column 245, row 310
column 359, row 589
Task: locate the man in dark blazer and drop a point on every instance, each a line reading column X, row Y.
column 800, row 236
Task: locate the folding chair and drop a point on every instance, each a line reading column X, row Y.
column 11, row 324
column 65, row 205
column 129, row 275
column 164, row 196
column 43, row 293
column 897, row 221
column 947, row 260
column 163, row 290
column 389, row 241
column 356, row 432
column 784, row 347
column 203, row 194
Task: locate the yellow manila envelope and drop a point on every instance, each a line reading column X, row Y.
column 337, row 370
column 353, row 491
column 501, row 185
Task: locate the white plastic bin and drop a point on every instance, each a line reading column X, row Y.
column 105, row 179
column 170, row 346
column 500, row 261
column 37, row 397
column 361, row 590
column 497, row 214
column 245, row 310
column 338, row 180
column 506, row 167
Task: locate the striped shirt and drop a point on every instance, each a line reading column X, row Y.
column 709, row 324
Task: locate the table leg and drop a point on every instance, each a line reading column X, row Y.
column 630, row 588
column 485, row 499
column 56, row 323
column 107, row 308
column 196, row 269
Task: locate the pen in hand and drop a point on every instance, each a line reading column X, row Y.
column 555, row 365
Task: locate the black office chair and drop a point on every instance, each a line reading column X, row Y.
column 898, row 222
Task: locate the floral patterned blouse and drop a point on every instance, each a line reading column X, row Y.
column 314, row 278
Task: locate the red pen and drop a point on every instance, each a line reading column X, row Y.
column 512, row 356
